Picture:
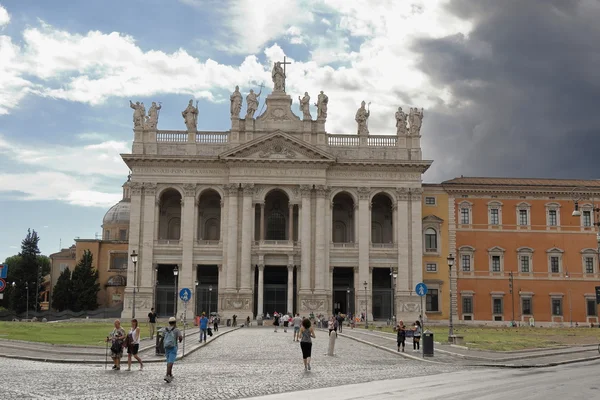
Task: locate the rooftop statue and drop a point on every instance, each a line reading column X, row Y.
column 236, row 103
column 139, row 114
column 152, row 118
column 278, row 76
column 322, row 101
column 362, row 118
column 401, row 128
column 252, row 103
column 305, row 107
column 415, row 118
column 190, row 116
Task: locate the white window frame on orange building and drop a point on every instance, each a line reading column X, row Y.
column 555, row 252
column 471, row 295
column 465, row 205
column 466, row 251
column 526, row 207
column 561, row 317
column 496, row 251
column 495, row 205
column 525, row 252
column 589, row 253
column 493, row 296
column 587, row 298
column 586, row 208
column 552, row 207
column 529, row 296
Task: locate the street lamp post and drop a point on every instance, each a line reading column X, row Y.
column 570, row 302
column 134, row 259
column 348, row 301
column 175, row 273
column 450, row 260
column 512, row 295
column 196, row 294
column 365, row 284
column 27, row 294
column 209, row 299
column 394, row 275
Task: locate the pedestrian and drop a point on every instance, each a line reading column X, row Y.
column 247, row 321
column 171, row 337
column 276, row 320
column 116, row 337
column 203, row 327
column 400, row 335
column 306, row 334
column 297, row 322
column 340, row 320
column 134, row 345
column 286, row 322
column 216, row 324
column 417, row 336
column 331, row 325
column 152, row 322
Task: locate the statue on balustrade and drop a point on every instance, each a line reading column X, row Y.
column 252, row 103
column 139, row 114
column 415, row 118
column 305, row 107
column 236, row 103
column 278, row 77
column 190, row 116
column 152, row 118
column 401, row 127
column 321, row 104
column 362, row 118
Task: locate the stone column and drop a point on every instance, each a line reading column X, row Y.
column 246, row 260
column 232, row 240
column 364, row 246
column 305, row 191
column 290, row 289
column 291, row 223
column 145, row 268
column 416, row 237
column 134, row 244
column 262, row 221
column 261, row 289
column 321, row 270
column 186, row 270
column 402, row 221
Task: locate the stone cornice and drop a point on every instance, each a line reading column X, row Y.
column 511, row 191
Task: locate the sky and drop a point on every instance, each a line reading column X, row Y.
column 510, row 88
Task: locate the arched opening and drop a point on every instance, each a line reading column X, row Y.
column 381, row 219
column 343, row 218
column 169, row 224
column 275, row 218
column 209, row 216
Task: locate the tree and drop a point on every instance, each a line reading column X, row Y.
column 85, row 284
column 25, row 273
column 62, row 292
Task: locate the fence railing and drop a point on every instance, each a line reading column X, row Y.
column 171, row 137
column 214, row 138
column 343, row 245
column 382, row 141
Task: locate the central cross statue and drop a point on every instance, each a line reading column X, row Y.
column 278, row 75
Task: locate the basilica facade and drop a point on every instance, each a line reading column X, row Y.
column 275, row 214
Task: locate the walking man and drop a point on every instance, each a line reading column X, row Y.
column 297, row 324
column 152, row 322
column 203, row 327
column 171, row 337
column 340, row 321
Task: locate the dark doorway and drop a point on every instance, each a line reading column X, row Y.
column 382, row 293
column 166, row 290
column 207, row 289
column 343, row 290
column 275, row 290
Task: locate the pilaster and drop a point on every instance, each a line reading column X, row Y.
column 145, row 259
column 402, row 222
column 188, row 223
column 134, row 244
column 247, row 215
column 321, row 270
column 261, row 289
column 306, row 240
column 232, row 233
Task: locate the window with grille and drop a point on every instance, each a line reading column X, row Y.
column 557, row 307
column 431, row 300
column 118, row 261
column 465, row 216
column 276, row 226
column 554, row 265
column 592, row 307
column 430, row 201
column 495, row 263
column 523, row 220
column 497, row 306
column 525, row 264
column 494, row 216
column 466, row 262
column 467, row 305
column 552, row 220
column 431, row 267
column 587, row 218
column 526, row 306
column 589, row 265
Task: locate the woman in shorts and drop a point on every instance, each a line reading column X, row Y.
column 116, row 338
column 134, row 345
column 306, row 334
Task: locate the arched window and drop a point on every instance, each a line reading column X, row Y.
column 376, row 233
column 211, row 229
column 174, row 229
column 339, row 232
column 276, row 226
column 431, row 240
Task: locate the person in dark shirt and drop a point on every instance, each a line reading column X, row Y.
column 152, row 322
column 401, row 334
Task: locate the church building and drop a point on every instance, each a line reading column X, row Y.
column 275, row 214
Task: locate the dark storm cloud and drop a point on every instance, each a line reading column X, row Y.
column 526, row 90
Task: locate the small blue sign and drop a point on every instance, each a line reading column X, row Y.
column 3, row 270
column 421, row 289
column 185, row 294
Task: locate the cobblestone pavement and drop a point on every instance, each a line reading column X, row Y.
column 245, row 363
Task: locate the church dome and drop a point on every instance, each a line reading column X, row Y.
column 118, row 214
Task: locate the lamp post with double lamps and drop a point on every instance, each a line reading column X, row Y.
column 134, row 259
column 450, row 260
column 365, row 284
column 175, row 273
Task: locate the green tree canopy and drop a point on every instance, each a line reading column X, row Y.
column 26, row 270
column 62, row 292
column 85, row 284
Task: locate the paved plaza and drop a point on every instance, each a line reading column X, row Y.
column 245, row 363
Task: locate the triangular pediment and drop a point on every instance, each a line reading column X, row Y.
column 277, row 146
column 433, row 219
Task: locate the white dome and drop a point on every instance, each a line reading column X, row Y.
column 118, row 214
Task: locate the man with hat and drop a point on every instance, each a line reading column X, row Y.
column 203, row 327
column 171, row 337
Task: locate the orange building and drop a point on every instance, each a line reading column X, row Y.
column 520, row 253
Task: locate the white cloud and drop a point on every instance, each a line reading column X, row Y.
column 4, row 16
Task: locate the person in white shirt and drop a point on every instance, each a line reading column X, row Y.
column 286, row 322
column 297, row 322
column 133, row 344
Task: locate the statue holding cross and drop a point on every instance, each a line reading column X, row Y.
column 278, row 75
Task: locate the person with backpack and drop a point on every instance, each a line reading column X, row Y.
column 203, row 327
column 171, row 337
column 116, row 337
column 417, row 336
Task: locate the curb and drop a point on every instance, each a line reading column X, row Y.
column 91, row 362
column 377, row 346
column 526, row 366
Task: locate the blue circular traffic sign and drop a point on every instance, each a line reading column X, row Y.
column 185, row 294
column 421, row 289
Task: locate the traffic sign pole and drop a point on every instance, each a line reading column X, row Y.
column 185, row 295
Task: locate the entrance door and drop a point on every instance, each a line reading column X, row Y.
column 275, row 290
column 166, row 290
column 382, row 293
column 343, row 290
column 207, row 289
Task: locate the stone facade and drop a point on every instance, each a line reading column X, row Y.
column 272, row 196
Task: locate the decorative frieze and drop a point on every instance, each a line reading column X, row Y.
column 189, row 189
column 402, row 193
column 237, row 304
column 231, row 189
column 305, row 190
column 364, row 193
column 248, row 189
column 313, row 305
column 322, row 190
